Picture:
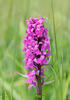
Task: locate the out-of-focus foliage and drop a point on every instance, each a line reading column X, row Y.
column 13, row 14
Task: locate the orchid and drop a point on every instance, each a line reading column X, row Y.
column 37, row 51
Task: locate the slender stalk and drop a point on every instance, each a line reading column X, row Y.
column 3, row 94
column 56, row 50
column 54, row 28
column 39, row 91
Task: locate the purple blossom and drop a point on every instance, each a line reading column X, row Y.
column 37, row 50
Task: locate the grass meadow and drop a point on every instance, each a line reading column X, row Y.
column 13, row 14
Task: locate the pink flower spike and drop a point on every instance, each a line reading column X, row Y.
column 37, row 51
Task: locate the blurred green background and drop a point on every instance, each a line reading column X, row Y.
column 13, row 14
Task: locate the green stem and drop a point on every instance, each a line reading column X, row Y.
column 39, row 91
column 53, row 19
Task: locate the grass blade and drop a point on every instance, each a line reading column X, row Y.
column 3, row 94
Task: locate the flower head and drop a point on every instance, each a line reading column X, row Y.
column 37, row 50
